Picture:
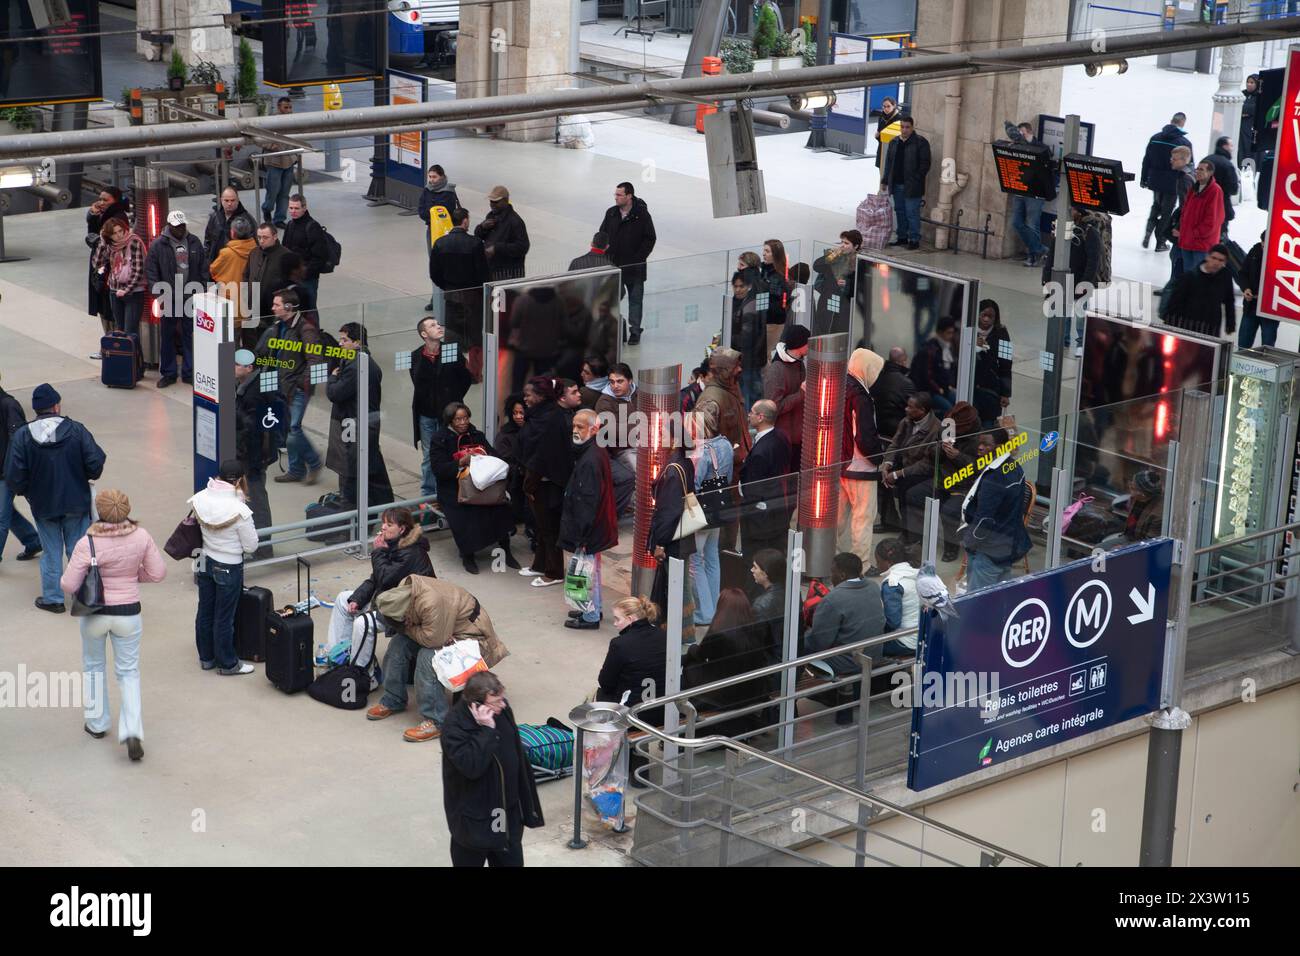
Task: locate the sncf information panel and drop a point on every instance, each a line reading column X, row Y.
column 1279, row 283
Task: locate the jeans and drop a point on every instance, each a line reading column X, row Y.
column 891, row 649
column 214, row 625
column 171, row 328
column 1026, row 219
column 1080, row 313
column 908, row 213
column 438, row 305
column 592, row 614
column 706, row 573
column 59, row 535
column 428, row 484
column 302, row 455
column 126, row 311
column 941, row 402
column 279, row 183
column 1250, row 323
column 751, row 385
column 983, row 572
column 429, row 693
column 313, row 284
column 1191, row 259
column 635, row 297
column 125, row 633
column 13, row 519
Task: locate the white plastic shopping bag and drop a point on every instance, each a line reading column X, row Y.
column 458, row 662
column 485, row 471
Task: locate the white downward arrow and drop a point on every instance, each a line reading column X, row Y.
column 1146, row 607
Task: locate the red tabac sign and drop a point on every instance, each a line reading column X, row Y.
column 1279, row 284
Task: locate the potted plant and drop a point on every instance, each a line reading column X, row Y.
column 19, row 119
column 737, row 55
column 176, row 72
column 246, row 97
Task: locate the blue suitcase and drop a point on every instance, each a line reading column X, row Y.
column 120, row 365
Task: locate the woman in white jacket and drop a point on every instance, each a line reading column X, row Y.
column 228, row 534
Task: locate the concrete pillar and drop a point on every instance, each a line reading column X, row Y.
column 196, row 25
column 986, row 101
column 526, row 49
column 1228, row 98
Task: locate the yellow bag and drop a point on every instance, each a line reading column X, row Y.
column 439, row 223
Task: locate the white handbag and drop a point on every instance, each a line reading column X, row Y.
column 485, row 471
column 693, row 517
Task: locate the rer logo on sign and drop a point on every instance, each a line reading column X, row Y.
column 1025, row 634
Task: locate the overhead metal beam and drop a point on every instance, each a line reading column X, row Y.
column 344, row 123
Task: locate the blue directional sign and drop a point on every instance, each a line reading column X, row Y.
column 1040, row 660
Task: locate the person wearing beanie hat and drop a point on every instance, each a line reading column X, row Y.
column 952, row 479
column 783, row 384
column 126, row 555
column 11, row 519
column 863, row 450
column 52, row 461
column 504, row 235
column 226, row 522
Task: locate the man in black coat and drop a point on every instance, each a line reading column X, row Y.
column 458, row 265
column 11, row 519
column 588, row 522
column 305, row 236
column 1203, row 300
column 488, row 790
column 258, row 436
column 763, row 487
column 893, row 388
column 267, row 272
column 504, row 235
column 224, row 211
column 439, row 379
column 906, row 167
column 345, row 430
column 1225, row 174
column 597, row 257
column 632, row 238
column 1159, row 176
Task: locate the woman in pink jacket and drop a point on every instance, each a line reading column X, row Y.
column 126, row 555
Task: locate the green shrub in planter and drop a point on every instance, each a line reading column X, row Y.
column 247, row 82
column 765, row 33
column 783, row 45
column 23, row 118
column 737, row 55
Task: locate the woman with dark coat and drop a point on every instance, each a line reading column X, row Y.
column 401, row 549
column 485, row 771
column 546, row 448
column 110, row 204
column 992, row 364
column 774, row 280
column 508, row 450
column 637, row 658
column 889, row 113
column 734, row 644
column 475, row 527
column 1246, row 136
column 669, row 493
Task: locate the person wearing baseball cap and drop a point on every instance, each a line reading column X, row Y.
column 177, row 263
column 504, row 235
column 127, row 555
column 52, row 460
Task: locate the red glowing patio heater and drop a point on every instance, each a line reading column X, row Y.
column 658, row 413
column 151, row 202
column 823, row 426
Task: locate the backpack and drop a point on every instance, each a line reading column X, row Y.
column 334, row 252
column 439, row 223
column 348, row 686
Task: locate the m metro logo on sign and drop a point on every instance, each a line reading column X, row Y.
column 1279, row 283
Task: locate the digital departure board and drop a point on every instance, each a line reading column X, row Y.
column 1025, row 169
column 55, row 59
column 309, row 42
column 1096, row 183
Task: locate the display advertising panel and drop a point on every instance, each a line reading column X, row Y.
column 309, row 42
column 48, row 52
column 1279, row 281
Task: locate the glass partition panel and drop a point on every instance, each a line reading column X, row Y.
column 680, row 324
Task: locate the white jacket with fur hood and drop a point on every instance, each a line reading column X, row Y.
column 226, row 521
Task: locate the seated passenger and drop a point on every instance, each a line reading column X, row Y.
column 400, row 549
column 423, row 615
column 768, row 571
column 853, row 611
column 637, row 657
column 733, row 645
column 898, row 592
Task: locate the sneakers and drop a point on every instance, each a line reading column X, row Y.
column 425, row 730
column 241, row 668
column 30, row 553
column 96, row 356
column 544, row 582
column 1078, row 351
column 97, row 734
column 286, row 478
column 54, row 607
column 1031, row 261
column 379, row 712
column 134, row 749
column 529, row 573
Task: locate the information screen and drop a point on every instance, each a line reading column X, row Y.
column 309, row 42
column 1024, row 169
column 1096, row 183
column 57, row 60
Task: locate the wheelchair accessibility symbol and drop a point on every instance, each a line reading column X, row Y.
column 269, row 421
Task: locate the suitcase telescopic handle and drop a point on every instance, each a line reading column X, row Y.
column 299, row 565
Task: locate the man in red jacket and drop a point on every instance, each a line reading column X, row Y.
column 1201, row 218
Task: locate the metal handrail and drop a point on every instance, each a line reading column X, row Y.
column 695, row 743
column 1210, row 548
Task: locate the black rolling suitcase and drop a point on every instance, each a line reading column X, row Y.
column 289, row 643
column 250, row 624
column 120, row 365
